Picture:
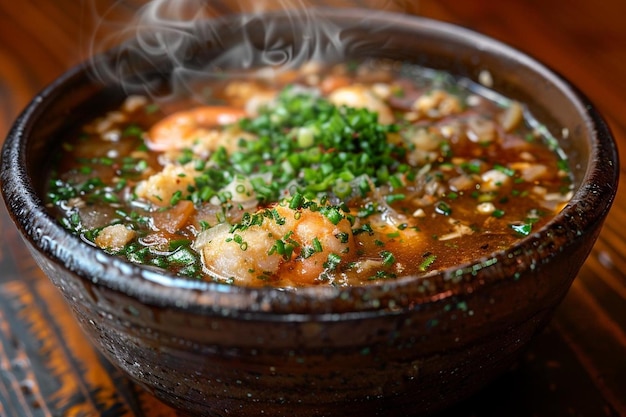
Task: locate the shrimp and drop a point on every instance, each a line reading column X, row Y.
column 437, row 104
column 295, row 246
column 162, row 186
column 194, row 129
column 360, row 96
column 181, row 129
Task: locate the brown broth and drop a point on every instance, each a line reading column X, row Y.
column 242, row 191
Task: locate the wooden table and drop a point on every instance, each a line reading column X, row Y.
column 577, row 367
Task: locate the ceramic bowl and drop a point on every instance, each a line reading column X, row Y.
column 407, row 346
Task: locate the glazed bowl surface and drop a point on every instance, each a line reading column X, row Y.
column 409, row 346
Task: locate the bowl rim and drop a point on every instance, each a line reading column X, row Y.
column 43, row 233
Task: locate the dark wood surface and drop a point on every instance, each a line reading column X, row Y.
column 577, row 367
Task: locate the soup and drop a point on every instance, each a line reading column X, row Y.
column 326, row 175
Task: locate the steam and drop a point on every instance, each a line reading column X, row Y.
column 168, row 48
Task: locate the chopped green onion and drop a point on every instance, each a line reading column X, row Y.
column 522, row 229
column 427, row 262
column 388, row 258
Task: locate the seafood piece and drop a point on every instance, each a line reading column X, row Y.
column 181, row 129
column 494, row 179
column 114, row 237
column 360, row 96
column 294, row 246
column 437, row 103
column 161, row 187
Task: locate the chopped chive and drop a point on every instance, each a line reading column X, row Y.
column 522, row 229
column 498, row 213
column 443, row 208
column 388, row 258
column 427, row 262
column 332, row 262
column 317, row 245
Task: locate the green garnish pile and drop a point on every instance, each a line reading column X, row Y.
column 309, row 146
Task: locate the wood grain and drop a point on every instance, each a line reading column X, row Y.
column 576, row 368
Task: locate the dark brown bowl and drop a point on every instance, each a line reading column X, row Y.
column 407, row 346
